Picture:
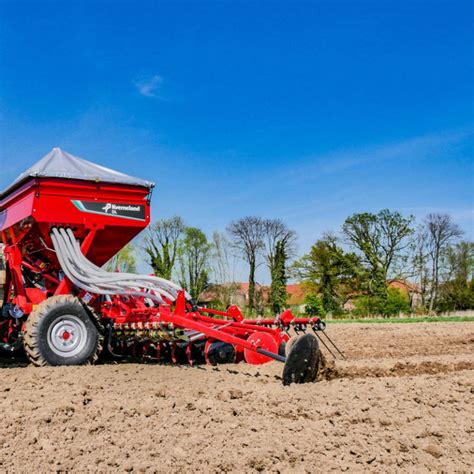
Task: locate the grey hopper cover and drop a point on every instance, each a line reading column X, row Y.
column 60, row 164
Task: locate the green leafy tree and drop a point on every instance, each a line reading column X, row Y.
column 278, row 295
column 383, row 241
column 314, row 305
column 395, row 302
column 124, row 261
column 194, row 254
column 161, row 244
column 330, row 272
column 457, row 290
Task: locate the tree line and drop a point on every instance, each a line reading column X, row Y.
column 175, row 250
column 357, row 264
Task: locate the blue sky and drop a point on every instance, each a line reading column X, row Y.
column 306, row 111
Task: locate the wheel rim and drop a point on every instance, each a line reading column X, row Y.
column 67, row 337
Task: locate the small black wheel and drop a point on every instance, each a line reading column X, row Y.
column 219, row 352
column 302, row 362
column 61, row 331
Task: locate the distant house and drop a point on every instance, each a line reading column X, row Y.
column 296, row 294
column 240, row 293
column 409, row 289
column 237, row 293
column 349, row 304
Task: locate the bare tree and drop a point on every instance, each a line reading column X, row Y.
column 248, row 236
column 280, row 245
column 441, row 231
column 123, row 261
column 420, row 262
column 161, row 244
column 223, row 269
column 276, row 232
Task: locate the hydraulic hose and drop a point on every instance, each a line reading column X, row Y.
column 67, row 264
column 129, row 279
column 74, row 276
column 152, row 279
column 89, row 277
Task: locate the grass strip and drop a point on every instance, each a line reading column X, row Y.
column 415, row 319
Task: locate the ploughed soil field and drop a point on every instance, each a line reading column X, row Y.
column 402, row 401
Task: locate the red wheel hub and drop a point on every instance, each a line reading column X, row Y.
column 66, row 335
column 263, row 340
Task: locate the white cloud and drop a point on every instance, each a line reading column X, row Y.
column 149, row 87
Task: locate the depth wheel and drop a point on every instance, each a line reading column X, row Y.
column 62, row 331
column 289, row 345
column 302, row 362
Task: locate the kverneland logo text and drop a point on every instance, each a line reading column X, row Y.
column 116, row 207
column 125, row 211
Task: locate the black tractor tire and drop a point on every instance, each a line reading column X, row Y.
column 62, row 330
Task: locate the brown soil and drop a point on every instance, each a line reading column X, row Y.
column 402, row 401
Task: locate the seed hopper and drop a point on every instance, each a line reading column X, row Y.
column 60, row 222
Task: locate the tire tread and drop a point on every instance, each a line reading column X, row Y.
column 31, row 329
